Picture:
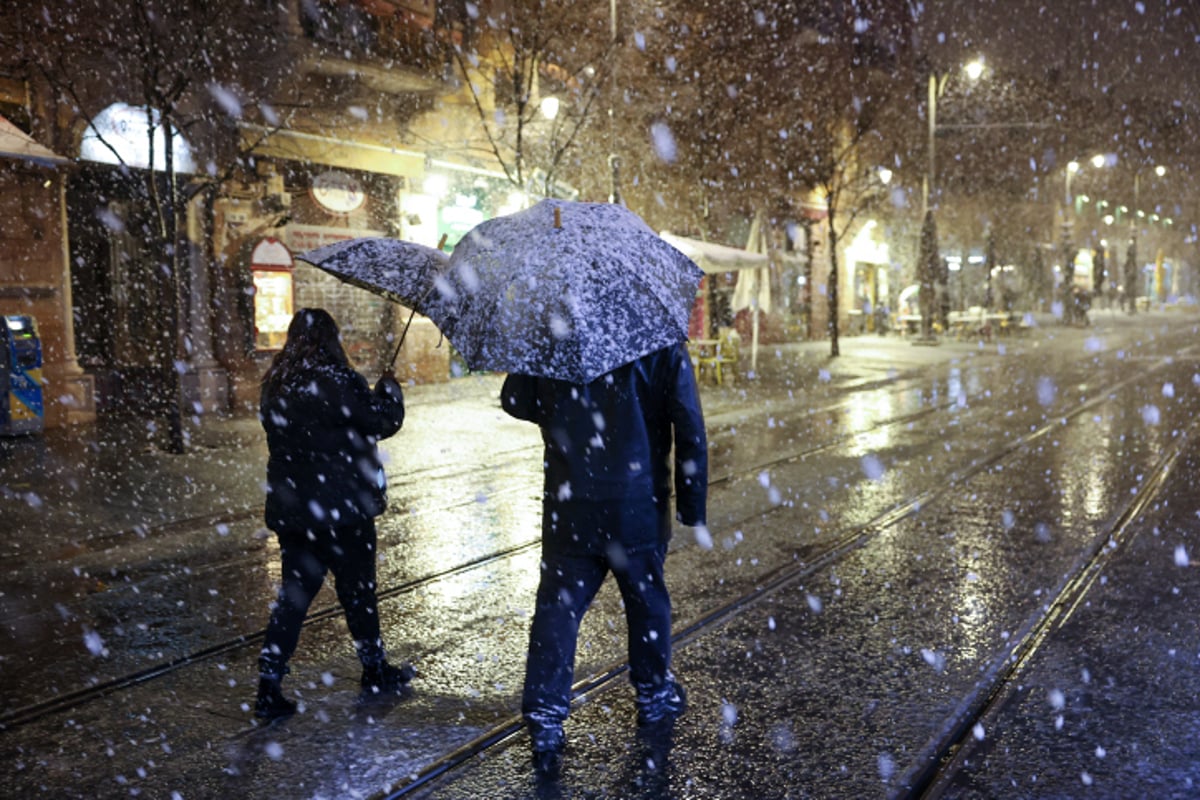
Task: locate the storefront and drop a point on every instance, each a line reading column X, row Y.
column 325, row 190
column 870, row 270
column 34, row 273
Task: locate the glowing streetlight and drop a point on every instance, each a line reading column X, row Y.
column 937, row 84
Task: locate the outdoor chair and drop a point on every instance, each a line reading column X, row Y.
column 713, row 357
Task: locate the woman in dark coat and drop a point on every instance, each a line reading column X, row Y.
column 606, row 507
column 325, row 486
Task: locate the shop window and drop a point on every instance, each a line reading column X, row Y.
column 272, row 308
column 271, row 266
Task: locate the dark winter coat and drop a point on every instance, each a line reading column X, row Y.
column 608, row 450
column 322, row 427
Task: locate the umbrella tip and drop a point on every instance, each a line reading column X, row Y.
column 442, row 241
column 557, row 217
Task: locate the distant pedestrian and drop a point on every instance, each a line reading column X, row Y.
column 325, row 486
column 606, row 507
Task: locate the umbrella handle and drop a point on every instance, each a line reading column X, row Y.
column 399, row 344
column 411, row 313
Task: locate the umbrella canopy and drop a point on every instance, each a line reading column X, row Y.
column 566, row 290
column 404, row 272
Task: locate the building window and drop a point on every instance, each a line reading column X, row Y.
column 271, row 266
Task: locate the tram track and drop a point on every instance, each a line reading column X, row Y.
column 989, row 692
column 500, row 735
column 34, row 712
column 788, row 542
column 946, row 752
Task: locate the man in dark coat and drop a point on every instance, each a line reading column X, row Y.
column 606, row 507
column 325, row 486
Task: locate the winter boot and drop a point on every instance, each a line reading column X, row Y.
column 661, row 705
column 547, row 740
column 271, row 704
column 380, row 677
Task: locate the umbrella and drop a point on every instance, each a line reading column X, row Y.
column 398, row 270
column 565, row 290
column 405, row 272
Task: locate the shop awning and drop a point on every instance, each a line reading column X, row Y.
column 18, row 145
column 316, row 149
column 713, row 258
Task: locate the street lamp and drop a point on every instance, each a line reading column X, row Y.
column 1131, row 264
column 1068, row 244
column 1068, row 237
column 928, row 250
column 614, row 162
column 937, row 85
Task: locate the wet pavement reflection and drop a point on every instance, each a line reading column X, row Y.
column 958, row 492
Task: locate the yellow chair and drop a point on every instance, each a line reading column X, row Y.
column 713, row 356
column 729, row 345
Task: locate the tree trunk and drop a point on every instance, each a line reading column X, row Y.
column 806, row 294
column 173, row 356
column 833, row 283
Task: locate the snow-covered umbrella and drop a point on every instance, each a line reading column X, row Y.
column 565, row 290
column 393, row 268
column 404, row 272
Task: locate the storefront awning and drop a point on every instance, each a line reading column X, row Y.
column 313, row 148
column 18, row 145
column 712, row 257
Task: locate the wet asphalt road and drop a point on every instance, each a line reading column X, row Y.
column 885, row 539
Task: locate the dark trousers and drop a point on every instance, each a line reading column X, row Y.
column 568, row 585
column 348, row 552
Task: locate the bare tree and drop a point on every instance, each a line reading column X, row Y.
column 535, row 72
column 769, row 102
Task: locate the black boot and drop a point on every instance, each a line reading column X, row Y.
column 660, row 705
column 271, row 704
column 380, row 677
column 548, row 743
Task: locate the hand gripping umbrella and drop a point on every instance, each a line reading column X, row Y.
column 404, row 272
column 564, row 290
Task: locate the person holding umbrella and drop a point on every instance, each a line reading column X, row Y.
column 325, row 486
column 606, row 508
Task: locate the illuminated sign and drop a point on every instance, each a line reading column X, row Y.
column 338, row 192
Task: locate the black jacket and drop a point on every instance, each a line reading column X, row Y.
column 608, row 451
column 324, row 469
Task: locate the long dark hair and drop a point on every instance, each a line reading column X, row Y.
column 312, row 341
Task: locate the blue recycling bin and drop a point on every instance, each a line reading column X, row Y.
column 22, row 409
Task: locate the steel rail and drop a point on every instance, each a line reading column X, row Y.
column 33, row 712
column 946, row 753
column 508, row 731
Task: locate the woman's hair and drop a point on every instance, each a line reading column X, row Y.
column 312, row 341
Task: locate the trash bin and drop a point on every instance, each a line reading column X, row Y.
column 21, row 407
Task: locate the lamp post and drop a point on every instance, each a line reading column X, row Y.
column 614, row 161
column 935, row 86
column 1068, row 244
column 1131, row 264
